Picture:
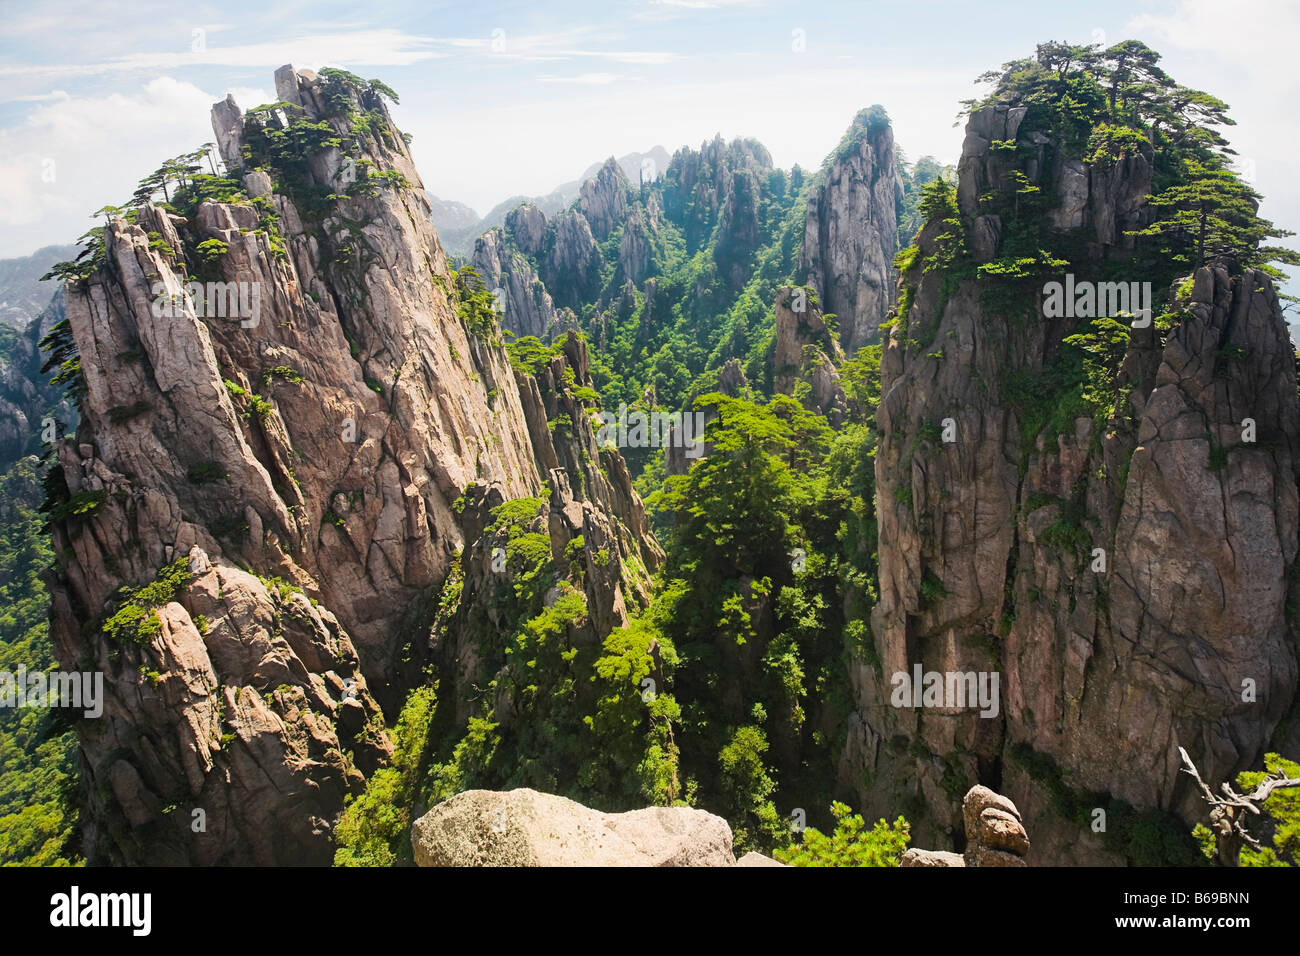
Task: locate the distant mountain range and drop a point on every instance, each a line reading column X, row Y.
column 458, row 225
column 22, row 294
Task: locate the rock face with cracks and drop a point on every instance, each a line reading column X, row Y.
column 851, row 230
column 524, row 303
column 302, row 458
column 1124, row 576
column 807, row 352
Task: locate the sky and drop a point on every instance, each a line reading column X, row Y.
column 509, row 98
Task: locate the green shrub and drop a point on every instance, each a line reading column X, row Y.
column 283, row 372
column 252, row 403
column 135, row 619
column 1108, row 143
column 474, row 303
column 932, row 589
column 210, row 250
column 1282, row 810
column 851, row 844
column 530, row 355
column 514, row 517
column 78, row 505
column 375, row 827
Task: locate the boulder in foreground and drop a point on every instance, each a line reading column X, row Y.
column 526, row 828
column 995, row 835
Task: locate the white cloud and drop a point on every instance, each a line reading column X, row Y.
column 36, row 97
column 641, row 57
column 1253, row 71
column 628, row 56
column 1199, row 25
column 671, row 9
column 74, row 155
column 704, row 4
column 562, row 45
column 584, row 79
column 359, row 48
column 798, row 113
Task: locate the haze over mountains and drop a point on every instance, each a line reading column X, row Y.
column 458, row 225
column 22, row 293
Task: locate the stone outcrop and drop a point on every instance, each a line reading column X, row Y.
column 1104, row 200
column 527, row 227
column 540, row 264
column 916, row 858
column 570, row 266
column 851, row 230
column 526, row 828
column 634, row 249
column 717, row 191
column 228, row 125
column 603, row 199
column 1123, row 584
column 701, row 183
column 806, row 351
column 739, row 230
column 526, row 307
column 320, row 440
column 995, row 835
column 241, row 711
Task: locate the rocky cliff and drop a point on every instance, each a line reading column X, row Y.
column 604, row 199
column 258, row 511
column 806, row 355
column 458, row 231
column 851, row 230
column 1127, row 569
column 591, row 520
column 525, row 305
column 309, row 477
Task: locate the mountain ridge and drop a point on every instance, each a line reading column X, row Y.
column 452, row 218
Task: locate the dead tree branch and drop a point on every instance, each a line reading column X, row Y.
column 1228, row 813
